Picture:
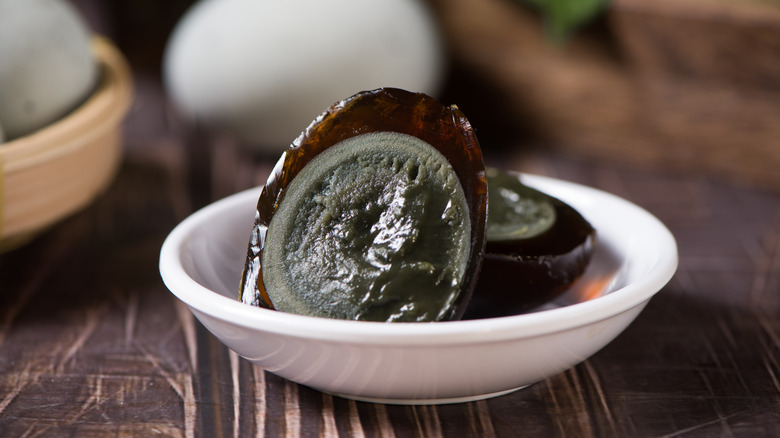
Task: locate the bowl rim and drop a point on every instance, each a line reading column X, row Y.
column 202, row 300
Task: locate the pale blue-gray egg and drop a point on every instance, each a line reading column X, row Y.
column 46, row 67
column 264, row 69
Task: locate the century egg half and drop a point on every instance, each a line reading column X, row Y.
column 537, row 247
column 376, row 212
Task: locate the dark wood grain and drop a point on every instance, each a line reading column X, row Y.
column 92, row 343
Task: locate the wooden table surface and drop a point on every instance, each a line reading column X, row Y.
column 93, row 344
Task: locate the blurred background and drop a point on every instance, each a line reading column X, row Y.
column 688, row 86
column 221, row 87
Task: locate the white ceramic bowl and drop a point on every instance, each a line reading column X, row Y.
column 424, row 363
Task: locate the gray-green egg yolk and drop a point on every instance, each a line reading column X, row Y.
column 516, row 211
column 375, row 228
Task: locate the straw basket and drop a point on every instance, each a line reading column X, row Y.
column 53, row 172
column 691, row 86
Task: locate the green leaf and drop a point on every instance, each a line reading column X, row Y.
column 563, row 17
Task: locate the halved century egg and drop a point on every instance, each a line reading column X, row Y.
column 376, row 212
column 537, row 247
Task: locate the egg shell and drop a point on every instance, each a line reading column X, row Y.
column 264, row 69
column 46, row 67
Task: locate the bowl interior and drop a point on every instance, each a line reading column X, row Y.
column 202, row 259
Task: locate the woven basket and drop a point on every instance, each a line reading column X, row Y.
column 691, row 86
column 54, row 172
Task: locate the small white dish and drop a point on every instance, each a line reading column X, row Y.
column 424, row 363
